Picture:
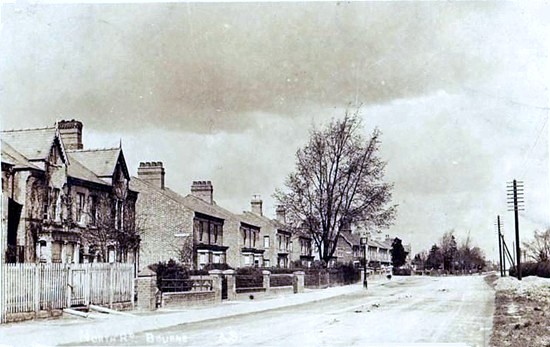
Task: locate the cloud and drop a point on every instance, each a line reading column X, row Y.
column 204, row 67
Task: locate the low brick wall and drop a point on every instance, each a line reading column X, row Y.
column 22, row 316
column 188, row 299
column 260, row 293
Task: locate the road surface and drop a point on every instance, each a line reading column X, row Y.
column 412, row 310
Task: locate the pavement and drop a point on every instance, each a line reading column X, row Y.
column 71, row 330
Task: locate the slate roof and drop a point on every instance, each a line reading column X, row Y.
column 251, row 219
column 78, row 170
column 100, row 161
column 34, row 144
column 198, row 205
column 352, row 238
column 14, row 158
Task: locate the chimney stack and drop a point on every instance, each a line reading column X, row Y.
column 256, row 205
column 280, row 213
column 71, row 133
column 152, row 172
column 203, row 190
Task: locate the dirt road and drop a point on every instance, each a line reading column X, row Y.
column 412, row 310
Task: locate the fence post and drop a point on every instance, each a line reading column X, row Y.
column 231, row 284
column 298, row 282
column 88, row 284
column 111, row 286
column 133, row 286
column 37, row 287
column 69, row 285
column 267, row 281
column 216, row 283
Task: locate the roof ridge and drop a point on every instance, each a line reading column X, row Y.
column 27, row 129
column 93, row 149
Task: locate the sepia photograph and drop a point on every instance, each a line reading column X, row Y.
column 260, row 173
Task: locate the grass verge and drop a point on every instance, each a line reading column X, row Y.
column 519, row 320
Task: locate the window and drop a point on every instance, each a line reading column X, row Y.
column 93, row 210
column 290, row 246
column 254, row 236
column 80, row 207
column 56, row 205
column 244, row 236
column 266, row 262
column 202, row 258
column 246, row 259
column 56, row 252
column 266, row 241
column 217, row 258
column 46, row 204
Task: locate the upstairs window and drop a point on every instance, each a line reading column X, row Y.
column 93, row 210
column 80, row 200
column 266, row 241
column 56, row 205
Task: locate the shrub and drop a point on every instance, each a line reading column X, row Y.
column 171, row 276
column 249, row 277
column 280, row 281
column 280, row 270
column 344, row 273
column 543, row 269
column 527, row 269
column 401, row 271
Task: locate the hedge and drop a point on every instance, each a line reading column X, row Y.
column 541, row 269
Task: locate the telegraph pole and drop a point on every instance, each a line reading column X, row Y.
column 501, row 263
column 515, row 202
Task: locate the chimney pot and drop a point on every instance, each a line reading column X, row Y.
column 280, row 214
column 71, row 133
column 203, row 190
column 152, row 174
column 256, row 205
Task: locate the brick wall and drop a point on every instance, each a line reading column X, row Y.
column 188, row 299
column 159, row 218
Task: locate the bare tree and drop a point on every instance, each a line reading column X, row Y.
column 539, row 248
column 338, row 182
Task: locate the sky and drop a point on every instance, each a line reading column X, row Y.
column 228, row 92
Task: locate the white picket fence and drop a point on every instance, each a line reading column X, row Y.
column 36, row 287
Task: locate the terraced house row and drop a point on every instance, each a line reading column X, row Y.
column 196, row 230
column 71, row 204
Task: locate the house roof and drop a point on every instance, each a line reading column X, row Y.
column 102, row 162
column 34, row 144
column 351, row 238
column 14, row 158
column 201, row 206
column 78, row 170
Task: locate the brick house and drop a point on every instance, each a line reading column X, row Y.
column 65, row 203
column 302, row 250
column 193, row 228
column 282, row 244
column 349, row 248
column 276, row 236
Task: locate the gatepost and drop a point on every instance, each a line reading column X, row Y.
column 217, row 283
column 231, row 284
column 298, row 282
column 267, row 282
column 147, row 290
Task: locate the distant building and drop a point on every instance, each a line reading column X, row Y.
column 281, row 244
column 65, row 203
